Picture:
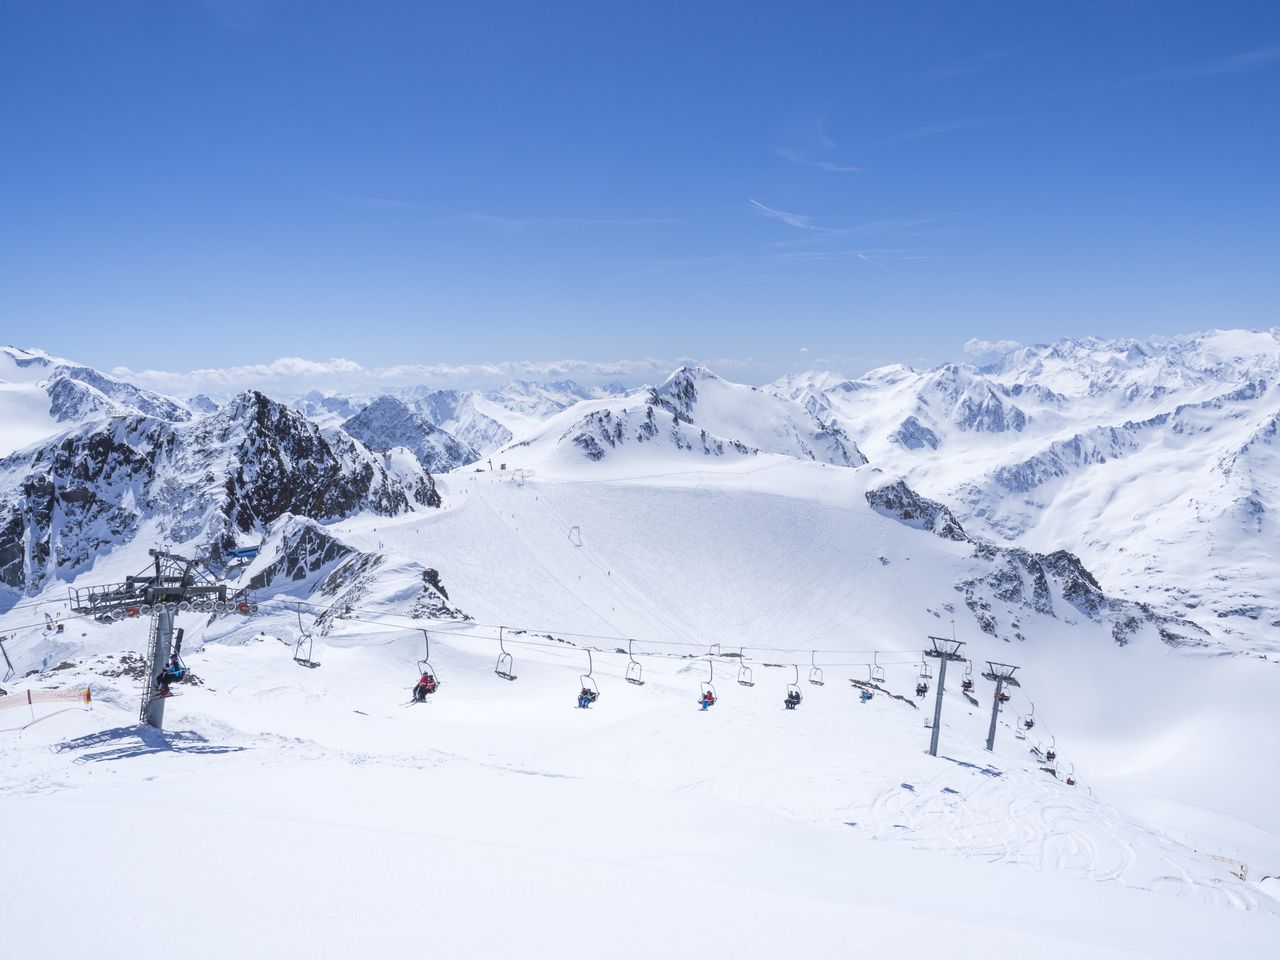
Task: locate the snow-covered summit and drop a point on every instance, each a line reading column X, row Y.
column 692, row 412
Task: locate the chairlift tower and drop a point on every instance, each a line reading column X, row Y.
column 1002, row 674
column 171, row 584
column 944, row 651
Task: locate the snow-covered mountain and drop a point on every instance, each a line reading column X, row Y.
column 42, row 394
column 388, row 422
column 461, row 413
column 694, row 412
column 1146, row 458
column 211, row 482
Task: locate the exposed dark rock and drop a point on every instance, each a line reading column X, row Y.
column 212, row 480
column 899, row 501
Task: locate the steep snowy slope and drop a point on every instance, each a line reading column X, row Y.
column 388, row 422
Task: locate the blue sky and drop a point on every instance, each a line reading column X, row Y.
column 209, row 184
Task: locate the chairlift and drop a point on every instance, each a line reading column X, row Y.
column 707, row 688
column 793, row 691
column 1052, row 753
column 590, row 692
column 304, row 637
column 744, row 672
column 815, row 672
column 635, row 672
column 926, row 671
column 505, row 665
column 575, row 535
column 1071, row 775
column 966, row 685
column 876, row 671
column 1029, row 720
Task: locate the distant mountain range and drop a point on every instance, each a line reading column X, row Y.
column 1154, row 462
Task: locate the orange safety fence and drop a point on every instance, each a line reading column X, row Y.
column 26, row 698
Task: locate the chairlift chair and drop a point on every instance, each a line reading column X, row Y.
column 815, row 672
column 505, row 666
column 1029, row 720
column 304, row 636
column 744, row 672
column 589, row 689
column 424, row 665
column 794, row 696
column 966, row 685
column 926, row 671
column 708, row 687
column 635, row 672
column 876, row 671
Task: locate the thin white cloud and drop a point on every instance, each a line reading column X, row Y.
column 796, row 156
column 294, row 376
column 978, row 348
column 1245, row 62
column 792, row 219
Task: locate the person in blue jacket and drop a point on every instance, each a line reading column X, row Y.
column 173, row 673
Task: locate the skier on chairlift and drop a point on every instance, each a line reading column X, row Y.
column 793, row 699
column 865, row 696
column 426, row 685
column 172, row 673
column 586, row 698
column 708, row 700
column 921, row 688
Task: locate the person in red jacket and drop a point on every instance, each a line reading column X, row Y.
column 426, row 685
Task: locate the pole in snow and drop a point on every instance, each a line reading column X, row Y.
column 1002, row 674
column 153, row 715
column 944, row 651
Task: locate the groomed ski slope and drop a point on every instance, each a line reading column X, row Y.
column 299, row 812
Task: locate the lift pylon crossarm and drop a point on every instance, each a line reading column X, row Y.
column 1002, row 672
